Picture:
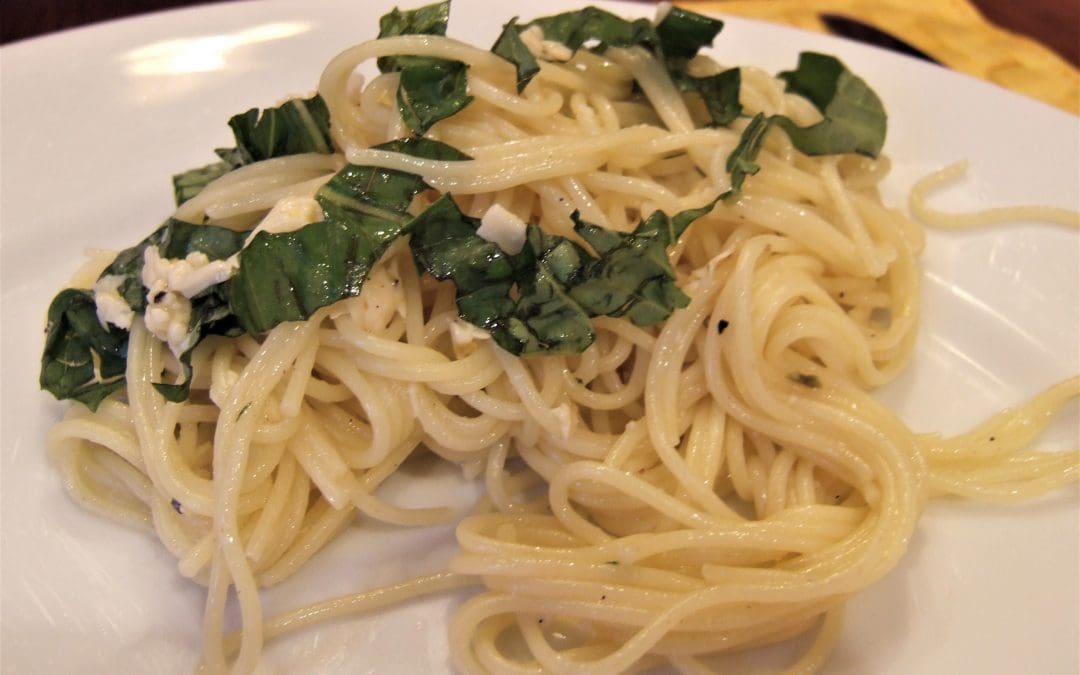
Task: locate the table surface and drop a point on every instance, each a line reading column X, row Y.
column 1055, row 23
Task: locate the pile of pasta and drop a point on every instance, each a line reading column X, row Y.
column 720, row 481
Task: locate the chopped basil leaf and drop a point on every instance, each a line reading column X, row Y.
column 296, row 126
column 427, row 20
column 719, row 92
column 542, row 318
column 854, row 117
column 633, row 276
column 683, row 33
column 430, row 89
column 510, row 47
column 559, row 285
column 287, row 276
column 740, row 162
column 76, row 341
column 675, row 40
column 82, row 359
column 594, row 25
column 190, row 183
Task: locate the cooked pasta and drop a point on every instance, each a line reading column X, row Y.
column 720, row 480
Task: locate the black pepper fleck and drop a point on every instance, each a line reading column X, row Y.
column 721, row 326
column 805, row 380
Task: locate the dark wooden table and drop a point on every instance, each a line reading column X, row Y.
column 1055, row 23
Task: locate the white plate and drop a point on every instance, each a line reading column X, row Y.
column 95, row 121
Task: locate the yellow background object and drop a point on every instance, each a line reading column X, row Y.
column 952, row 31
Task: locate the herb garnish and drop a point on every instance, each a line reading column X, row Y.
column 296, row 126
column 854, row 117
column 540, row 300
column 537, row 301
column 676, row 39
column 430, row 89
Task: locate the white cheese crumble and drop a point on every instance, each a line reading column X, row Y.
column 464, row 334
column 168, row 321
column 502, row 228
column 547, row 50
column 565, row 419
column 287, row 215
column 170, row 284
column 111, row 307
column 662, row 10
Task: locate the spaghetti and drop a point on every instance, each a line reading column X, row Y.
column 673, row 492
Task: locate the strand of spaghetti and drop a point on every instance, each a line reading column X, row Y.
column 621, row 607
column 253, row 200
column 315, row 452
column 583, row 113
column 84, row 428
column 602, row 181
column 544, row 106
column 557, row 421
column 542, row 158
column 359, row 603
column 704, row 444
column 566, row 76
column 1003, row 433
column 239, row 415
column 258, row 544
column 1010, row 483
column 411, row 363
column 583, row 201
column 662, row 93
column 456, row 432
column 379, row 409
column 496, row 488
column 289, row 530
column 920, row 192
column 656, row 84
column 257, row 178
column 320, row 524
column 824, row 643
column 778, row 535
column 661, row 395
column 154, row 419
column 77, row 470
column 801, row 224
column 621, row 396
column 875, row 258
